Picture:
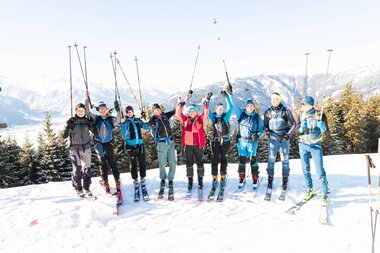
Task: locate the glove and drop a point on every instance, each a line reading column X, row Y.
column 229, row 88
column 224, row 93
column 285, row 137
column 143, row 114
column 255, row 136
column 182, row 103
column 117, row 106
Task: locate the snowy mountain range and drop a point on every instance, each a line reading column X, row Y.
column 23, row 101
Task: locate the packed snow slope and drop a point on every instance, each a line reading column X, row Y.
column 50, row 218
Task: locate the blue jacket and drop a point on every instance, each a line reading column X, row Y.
column 220, row 123
column 249, row 123
column 130, row 131
column 311, row 128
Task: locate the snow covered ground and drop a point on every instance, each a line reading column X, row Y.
column 65, row 223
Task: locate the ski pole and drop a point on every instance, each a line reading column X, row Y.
column 138, row 80
column 369, row 166
column 130, row 87
column 71, row 83
column 83, row 73
column 307, row 64
column 327, row 76
column 223, row 59
column 195, row 65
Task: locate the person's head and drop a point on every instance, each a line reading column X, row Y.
column 156, row 109
column 249, row 106
column 275, row 99
column 193, row 111
column 219, row 109
column 129, row 111
column 307, row 103
column 102, row 108
column 80, row 110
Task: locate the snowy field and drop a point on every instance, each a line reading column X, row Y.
column 50, row 218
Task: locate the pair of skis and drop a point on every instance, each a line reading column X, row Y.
column 268, row 194
column 323, row 214
column 119, row 199
column 219, row 198
column 161, row 194
column 144, row 194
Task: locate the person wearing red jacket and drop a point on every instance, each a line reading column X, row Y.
column 193, row 139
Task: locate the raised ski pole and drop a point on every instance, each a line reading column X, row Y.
column 327, row 76
column 138, row 80
column 223, row 59
column 71, row 83
column 307, row 65
column 129, row 85
column 85, row 62
column 370, row 165
column 195, row 65
column 83, row 73
column 117, row 93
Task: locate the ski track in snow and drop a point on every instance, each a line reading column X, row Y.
column 66, row 223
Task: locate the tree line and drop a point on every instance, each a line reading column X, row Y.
column 353, row 128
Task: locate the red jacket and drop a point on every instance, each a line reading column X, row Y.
column 187, row 125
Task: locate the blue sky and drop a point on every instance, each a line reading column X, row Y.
column 256, row 37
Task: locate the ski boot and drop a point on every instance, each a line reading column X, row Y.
column 285, row 182
column 80, row 193
column 171, row 191
column 137, row 189
column 325, row 201
column 200, row 183
column 221, row 191
column 106, row 186
column 144, row 190
column 162, row 190
column 308, row 194
column 241, row 180
column 214, row 182
column 87, row 192
column 270, row 181
column 190, row 183
column 118, row 186
column 255, row 179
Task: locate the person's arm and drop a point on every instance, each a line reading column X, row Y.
column 68, row 126
column 235, row 106
column 292, row 121
column 322, row 124
column 260, row 127
column 205, row 110
column 143, row 125
column 229, row 108
column 170, row 114
column 179, row 113
column 87, row 105
column 266, row 120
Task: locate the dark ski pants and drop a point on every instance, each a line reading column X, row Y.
column 81, row 159
column 137, row 154
column 105, row 152
column 219, row 156
column 192, row 152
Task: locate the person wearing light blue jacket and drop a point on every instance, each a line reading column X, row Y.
column 312, row 125
column 130, row 131
column 220, row 142
column 249, row 130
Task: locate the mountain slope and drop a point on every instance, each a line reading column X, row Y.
column 64, row 223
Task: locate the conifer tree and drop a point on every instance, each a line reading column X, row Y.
column 371, row 113
column 351, row 105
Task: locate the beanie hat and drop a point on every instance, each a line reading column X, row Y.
column 80, row 105
column 309, row 100
column 219, row 105
column 249, row 102
column 156, row 106
column 192, row 108
column 128, row 108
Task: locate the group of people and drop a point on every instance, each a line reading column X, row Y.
column 279, row 126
